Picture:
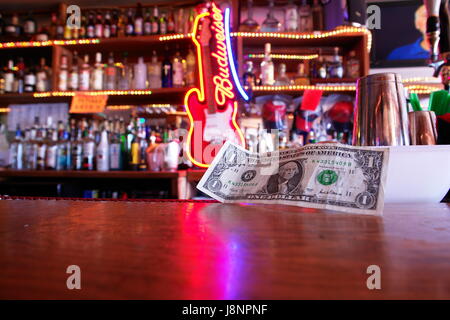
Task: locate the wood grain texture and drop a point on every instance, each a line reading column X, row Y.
column 215, row 251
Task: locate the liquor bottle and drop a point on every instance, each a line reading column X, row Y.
column 129, row 27
column 4, row 147
column 148, row 23
column 301, row 78
column 88, row 149
column 155, row 21
column 9, row 76
column 63, row 149
column 125, row 73
column 74, row 80
column 19, row 82
column 60, row 29
column 322, row 70
column 282, row 79
column 171, row 23
column 98, row 26
column 271, row 24
column 68, row 32
column 143, row 145
column 102, row 154
column 90, row 27
column 166, row 75
column 115, row 155
column 249, row 24
column 97, row 73
column 82, row 32
column 13, row 28
column 30, row 149
column 291, row 17
column 352, row 66
column 30, row 80
column 52, row 151
column 30, row 27
column 114, row 24
column 16, row 151
column 191, row 20
column 123, row 144
column 111, row 74
column 43, row 76
column 191, row 67
column 41, row 137
column 317, row 16
column 267, row 68
column 140, row 75
column 42, row 34
column 163, row 24
column 53, row 26
column 77, row 150
column 138, row 21
column 135, row 152
column 249, row 77
column 305, row 17
column 154, row 72
column 74, row 31
column 85, row 74
column 63, row 75
column 107, row 25
column 336, row 68
column 178, row 72
column 121, row 24
column 180, row 20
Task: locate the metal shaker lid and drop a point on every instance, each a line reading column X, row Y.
column 380, row 77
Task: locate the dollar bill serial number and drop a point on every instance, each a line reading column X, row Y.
column 333, row 162
column 227, row 310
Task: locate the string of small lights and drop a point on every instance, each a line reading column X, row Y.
column 310, row 35
column 175, row 37
column 305, row 87
column 284, row 56
column 26, row 44
column 170, row 37
column 92, row 93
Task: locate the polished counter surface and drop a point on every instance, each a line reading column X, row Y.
column 191, row 250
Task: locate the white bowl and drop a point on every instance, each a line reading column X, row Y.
column 418, row 174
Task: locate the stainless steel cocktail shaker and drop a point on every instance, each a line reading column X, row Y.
column 381, row 117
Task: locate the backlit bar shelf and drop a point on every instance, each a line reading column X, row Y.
column 276, row 56
column 340, row 32
column 102, row 41
column 330, row 88
column 300, row 88
column 115, row 97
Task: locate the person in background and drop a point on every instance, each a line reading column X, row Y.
column 420, row 49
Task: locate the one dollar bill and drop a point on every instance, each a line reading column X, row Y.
column 325, row 176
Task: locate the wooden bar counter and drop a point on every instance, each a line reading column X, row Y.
column 192, row 250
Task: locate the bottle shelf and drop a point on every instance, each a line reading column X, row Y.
column 115, row 97
column 295, row 89
column 132, row 42
column 343, row 36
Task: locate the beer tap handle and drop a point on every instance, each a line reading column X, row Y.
column 433, row 27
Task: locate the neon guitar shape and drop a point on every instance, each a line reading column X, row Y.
column 212, row 107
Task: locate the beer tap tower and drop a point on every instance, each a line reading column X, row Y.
column 438, row 34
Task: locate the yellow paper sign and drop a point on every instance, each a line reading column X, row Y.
column 85, row 103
